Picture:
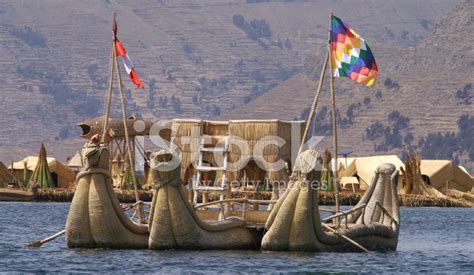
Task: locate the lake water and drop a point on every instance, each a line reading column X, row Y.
column 431, row 240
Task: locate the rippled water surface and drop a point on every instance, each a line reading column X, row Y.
column 431, row 240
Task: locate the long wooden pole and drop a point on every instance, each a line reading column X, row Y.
column 334, row 124
column 346, row 238
column 127, row 138
column 109, row 95
column 315, row 104
column 39, row 243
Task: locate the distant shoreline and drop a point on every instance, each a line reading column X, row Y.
column 127, row 196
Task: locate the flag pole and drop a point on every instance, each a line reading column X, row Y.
column 127, row 137
column 111, row 79
column 315, row 104
column 334, row 123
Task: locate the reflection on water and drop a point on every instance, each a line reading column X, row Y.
column 431, row 240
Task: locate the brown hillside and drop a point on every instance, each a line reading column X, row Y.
column 428, row 75
column 55, row 56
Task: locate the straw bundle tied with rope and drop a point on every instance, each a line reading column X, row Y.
column 295, row 222
column 412, row 181
column 41, row 176
column 175, row 224
column 96, row 218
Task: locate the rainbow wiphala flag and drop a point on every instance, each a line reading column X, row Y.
column 350, row 55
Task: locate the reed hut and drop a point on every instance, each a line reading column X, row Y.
column 444, row 175
column 41, row 175
column 418, row 176
column 62, row 176
column 413, row 182
column 6, row 177
column 189, row 134
column 362, row 168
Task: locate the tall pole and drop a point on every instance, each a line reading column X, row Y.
column 127, row 138
column 334, row 122
column 315, row 104
column 109, row 96
column 124, row 118
column 111, row 79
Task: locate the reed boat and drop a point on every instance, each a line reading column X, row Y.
column 294, row 223
column 7, row 194
column 181, row 218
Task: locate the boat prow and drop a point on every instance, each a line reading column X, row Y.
column 295, row 222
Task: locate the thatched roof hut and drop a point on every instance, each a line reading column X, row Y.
column 363, row 168
column 187, row 133
column 41, row 175
column 5, row 176
column 437, row 174
column 63, row 177
column 444, row 173
column 413, row 182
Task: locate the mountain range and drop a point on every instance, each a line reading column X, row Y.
column 231, row 59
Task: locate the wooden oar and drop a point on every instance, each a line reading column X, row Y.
column 41, row 242
column 346, row 238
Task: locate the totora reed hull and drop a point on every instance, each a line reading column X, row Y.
column 96, row 219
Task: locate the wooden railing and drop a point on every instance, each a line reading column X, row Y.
column 242, row 201
column 360, row 207
column 345, row 213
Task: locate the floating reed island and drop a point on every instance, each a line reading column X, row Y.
column 420, row 183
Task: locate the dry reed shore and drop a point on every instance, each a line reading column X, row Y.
column 65, row 195
column 325, row 198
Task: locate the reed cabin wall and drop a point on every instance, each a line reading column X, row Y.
column 186, row 134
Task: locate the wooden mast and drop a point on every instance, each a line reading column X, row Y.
column 334, row 117
column 127, row 138
column 334, row 123
column 315, row 104
column 114, row 67
column 109, row 89
column 108, row 99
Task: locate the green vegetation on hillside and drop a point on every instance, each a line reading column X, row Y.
column 450, row 145
column 53, row 85
column 395, row 135
column 464, row 94
column 28, row 35
column 254, row 29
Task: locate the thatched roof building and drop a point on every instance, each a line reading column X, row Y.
column 5, row 176
column 41, row 175
column 444, row 173
column 435, row 173
column 187, row 134
column 363, row 168
column 63, row 177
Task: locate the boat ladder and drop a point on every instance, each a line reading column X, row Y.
column 205, row 188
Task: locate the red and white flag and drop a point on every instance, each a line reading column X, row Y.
column 127, row 63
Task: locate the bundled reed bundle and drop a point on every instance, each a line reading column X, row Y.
column 295, row 222
column 412, row 180
column 96, row 218
column 41, row 177
column 174, row 223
